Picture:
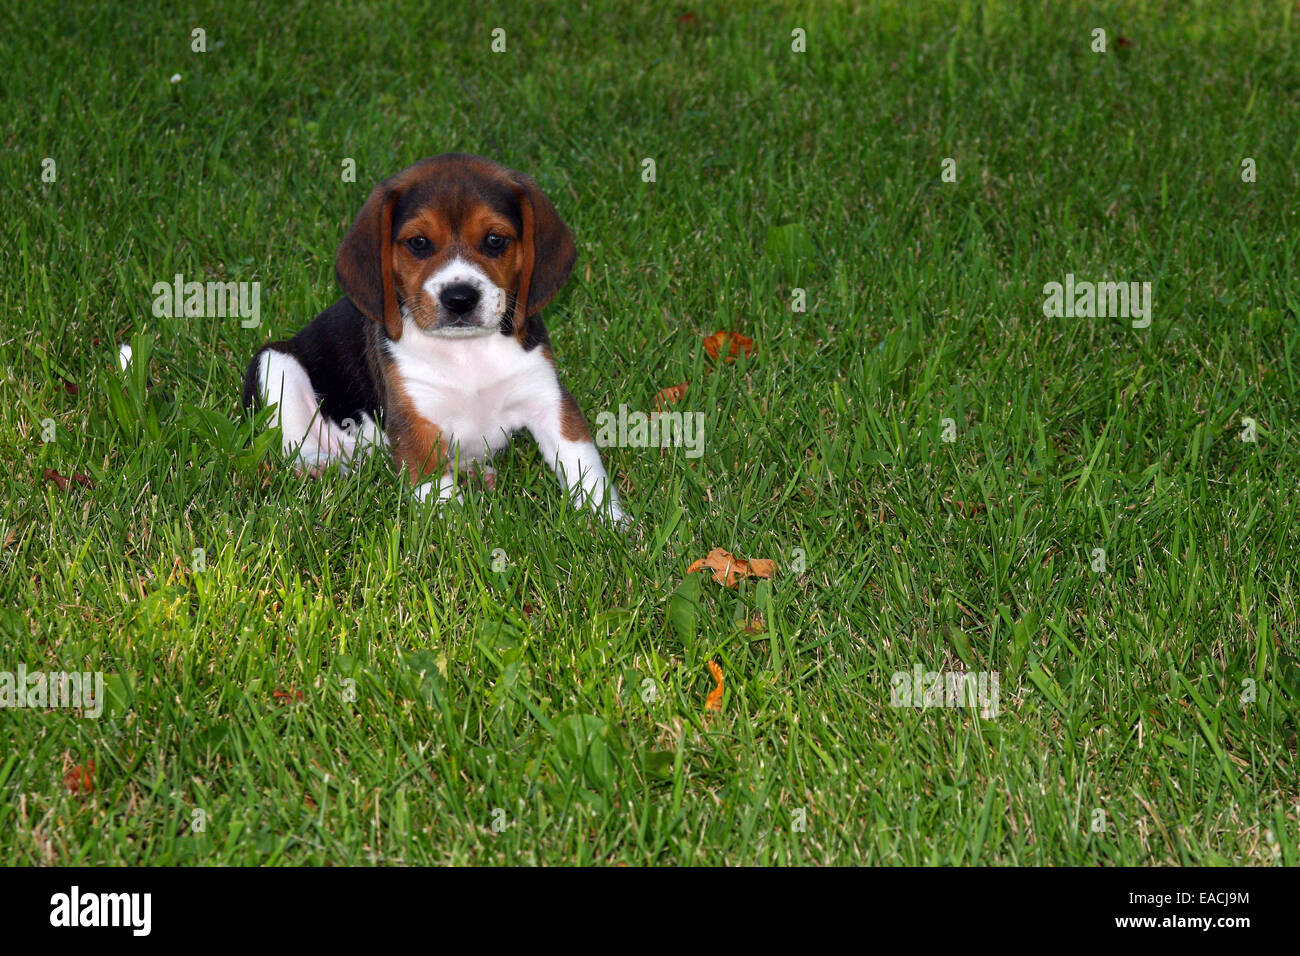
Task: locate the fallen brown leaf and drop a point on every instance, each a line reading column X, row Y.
column 670, row 396
column 81, row 779
column 733, row 342
column 714, row 701
column 728, row 569
column 62, row 480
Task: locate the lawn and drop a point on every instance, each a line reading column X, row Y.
column 1094, row 515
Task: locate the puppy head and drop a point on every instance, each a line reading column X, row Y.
column 456, row 243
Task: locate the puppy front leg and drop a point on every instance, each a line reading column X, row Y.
column 420, row 450
column 565, row 442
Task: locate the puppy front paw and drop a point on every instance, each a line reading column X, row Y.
column 612, row 513
column 620, row 520
column 484, row 473
column 444, row 488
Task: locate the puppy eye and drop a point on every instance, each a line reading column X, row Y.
column 495, row 243
column 419, row 245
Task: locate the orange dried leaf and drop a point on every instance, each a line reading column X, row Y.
column 732, row 342
column 81, row 779
column 63, row 480
column 714, row 701
column 670, row 396
column 728, row 569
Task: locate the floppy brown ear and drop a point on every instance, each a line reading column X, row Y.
column 364, row 265
column 549, row 252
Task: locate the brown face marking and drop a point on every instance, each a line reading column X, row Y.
column 410, row 271
column 456, row 218
column 481, row 222
column 453, row 199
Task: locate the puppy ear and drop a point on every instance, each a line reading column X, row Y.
column 364, row 265
column 548, row 247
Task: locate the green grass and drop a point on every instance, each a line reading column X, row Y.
column 436, row 691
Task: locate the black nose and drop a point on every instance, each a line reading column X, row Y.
column 459, row 298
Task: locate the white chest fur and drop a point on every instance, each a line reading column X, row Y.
column 477, row 390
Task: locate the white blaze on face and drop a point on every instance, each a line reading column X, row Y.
column 486, row 316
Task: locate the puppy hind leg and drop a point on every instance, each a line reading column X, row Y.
column 308, row 437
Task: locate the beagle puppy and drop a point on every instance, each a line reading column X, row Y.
column 438, row 352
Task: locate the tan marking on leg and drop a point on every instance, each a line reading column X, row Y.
column 573, row 426
column 419, row 447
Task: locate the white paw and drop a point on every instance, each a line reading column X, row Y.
column 482, row 473
column 609, row 508
column 619, row 519
column 444, row 487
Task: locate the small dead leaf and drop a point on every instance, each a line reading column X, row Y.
column 714, row 702
column 732, row 342
column 728, row 569
column 80, row 779
column 670, row 396
column 62, row 480
column 286, row 695
column 755, row 624
column 70, row 387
